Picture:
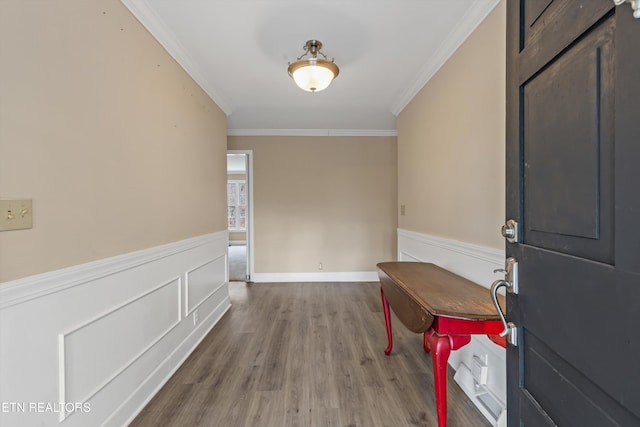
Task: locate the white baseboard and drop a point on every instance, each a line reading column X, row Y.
column 354, row 276
column 476, row 263
column 107, row 334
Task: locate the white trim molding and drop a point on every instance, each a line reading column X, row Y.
column 22, row 290
column 146, row 15
column 97, row 340
column 250, row 222
column 476, row 13
column 476, row 263
column 449, row 252
column 312, row 132
column 349, row 276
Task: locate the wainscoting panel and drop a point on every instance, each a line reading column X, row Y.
column 475, row 263
column 91, row 344
column 86, row 370
column 199, row 285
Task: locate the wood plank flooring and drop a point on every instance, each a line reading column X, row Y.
column 305, row 354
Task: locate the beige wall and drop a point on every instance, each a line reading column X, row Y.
column 451, row 141
column 118, row 148
column 236, row 236
column 322, row 199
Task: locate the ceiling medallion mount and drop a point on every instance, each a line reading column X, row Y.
column 313, row 74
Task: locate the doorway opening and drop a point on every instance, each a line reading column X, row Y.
column 240, row 215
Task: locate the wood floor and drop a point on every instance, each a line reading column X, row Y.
column 305, row 354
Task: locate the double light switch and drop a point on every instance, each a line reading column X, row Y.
column 15, row 214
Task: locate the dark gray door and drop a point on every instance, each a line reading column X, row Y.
column 573, row 185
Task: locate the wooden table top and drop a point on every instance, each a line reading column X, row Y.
column 441, row 292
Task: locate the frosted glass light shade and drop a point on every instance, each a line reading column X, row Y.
column 313, row 75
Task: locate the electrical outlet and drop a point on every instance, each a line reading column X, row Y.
column 320, row 266
column 402, row 210
column 195, row 317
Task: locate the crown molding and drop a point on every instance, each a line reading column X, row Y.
column 312, row 132
column 474, row 15
column 145, row 14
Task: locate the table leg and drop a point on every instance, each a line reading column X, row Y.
column 440, row 351
column 441, row 346
column 387, row 322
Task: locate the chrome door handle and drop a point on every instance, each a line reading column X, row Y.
column 510, row 231
column 510, row 272
column 510, row 329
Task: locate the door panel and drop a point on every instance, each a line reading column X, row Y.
column 589, row 405
column 568, row 150
column 573, row 156
column 533, row 10
column 557, row 25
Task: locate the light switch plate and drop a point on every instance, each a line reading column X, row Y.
column 15, row 214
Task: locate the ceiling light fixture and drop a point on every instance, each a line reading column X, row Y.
column 313, row 74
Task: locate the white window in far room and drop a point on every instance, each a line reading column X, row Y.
column 237, row 205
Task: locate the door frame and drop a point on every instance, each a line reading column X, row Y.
column 250, row 233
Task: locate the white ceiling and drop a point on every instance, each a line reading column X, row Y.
column 238, row 52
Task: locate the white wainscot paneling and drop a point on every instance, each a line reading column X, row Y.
column 91, row 344
column 476, row 263
column 199, row 285
column 85, row 368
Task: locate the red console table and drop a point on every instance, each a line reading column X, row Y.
column 445, row 307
